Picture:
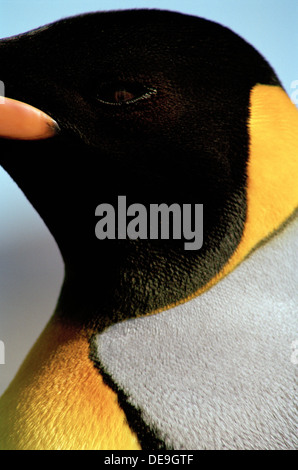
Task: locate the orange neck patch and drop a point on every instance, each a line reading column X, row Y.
column 58, row 400
column 272, row 173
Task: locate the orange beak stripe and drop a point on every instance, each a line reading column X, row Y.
column 24, row 122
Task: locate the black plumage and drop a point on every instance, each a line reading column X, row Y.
column 152, row 105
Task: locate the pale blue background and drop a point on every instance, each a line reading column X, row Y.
column 31, row 269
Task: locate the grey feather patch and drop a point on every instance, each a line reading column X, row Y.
column 217, row 372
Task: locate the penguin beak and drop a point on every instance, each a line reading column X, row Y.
column 24, row 122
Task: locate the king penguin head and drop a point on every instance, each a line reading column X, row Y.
column 159, row 107
column 152, row 105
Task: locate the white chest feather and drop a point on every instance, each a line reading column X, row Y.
column 220, row 371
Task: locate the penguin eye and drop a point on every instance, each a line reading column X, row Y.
column 123, row 94
column 120, row 96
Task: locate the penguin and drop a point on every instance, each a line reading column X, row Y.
column 151, row 346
